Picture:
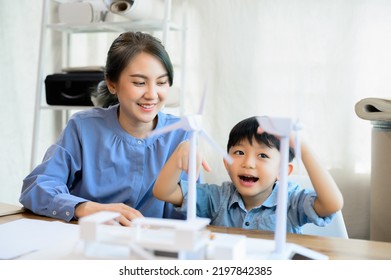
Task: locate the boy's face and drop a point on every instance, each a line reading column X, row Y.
column 254, row 170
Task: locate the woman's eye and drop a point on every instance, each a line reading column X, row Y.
column 139, row 84
column 162, row 83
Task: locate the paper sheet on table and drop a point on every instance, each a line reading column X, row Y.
column 374, row 109
column 25, row 236
column 8, row 209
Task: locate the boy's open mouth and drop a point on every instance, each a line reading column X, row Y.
column 248, row 178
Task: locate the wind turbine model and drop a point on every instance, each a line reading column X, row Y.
column 283, row 127
column 193, row 123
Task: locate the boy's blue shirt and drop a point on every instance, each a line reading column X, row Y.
column 225, row 207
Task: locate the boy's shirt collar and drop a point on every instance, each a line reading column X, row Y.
column 270, row 202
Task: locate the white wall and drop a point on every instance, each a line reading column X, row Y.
column 19, row 43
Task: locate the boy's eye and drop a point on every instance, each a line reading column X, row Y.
column 238, row 152
column 263, row 155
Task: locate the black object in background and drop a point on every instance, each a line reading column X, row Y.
column 72, row 89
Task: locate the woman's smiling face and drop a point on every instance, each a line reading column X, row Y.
column 142, row 89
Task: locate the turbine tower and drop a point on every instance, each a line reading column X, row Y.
column 282, row 128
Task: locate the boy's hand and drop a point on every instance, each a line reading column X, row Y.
column 182, row 153
column 167, row 186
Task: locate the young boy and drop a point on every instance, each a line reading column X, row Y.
column 250, row 200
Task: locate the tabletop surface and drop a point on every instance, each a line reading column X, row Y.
column 334, row 248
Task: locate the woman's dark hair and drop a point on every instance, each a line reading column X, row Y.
column 247, row 129
column 124, row 48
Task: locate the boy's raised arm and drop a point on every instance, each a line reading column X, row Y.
column 329, row 198
column 167, row 187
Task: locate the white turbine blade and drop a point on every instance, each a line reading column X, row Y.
column 181, row 124
column 297, row 126
column 226, row 156
column 202, row 104
column 192, row 178
column 297, row 150
column 276, row 126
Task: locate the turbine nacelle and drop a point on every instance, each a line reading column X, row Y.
column 194, row 122
column 278, row 126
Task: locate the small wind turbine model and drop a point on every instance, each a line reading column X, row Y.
column 282, row 128
column 193, row 123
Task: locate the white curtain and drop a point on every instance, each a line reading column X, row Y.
column 19, row 44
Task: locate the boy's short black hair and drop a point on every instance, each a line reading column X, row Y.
column 247, row 129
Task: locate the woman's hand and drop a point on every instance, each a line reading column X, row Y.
column 127, row 213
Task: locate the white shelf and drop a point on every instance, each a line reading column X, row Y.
column 144, row 25
column 68, row 107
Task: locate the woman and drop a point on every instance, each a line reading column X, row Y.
column 104, row 159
